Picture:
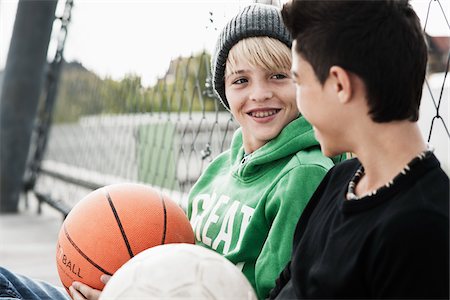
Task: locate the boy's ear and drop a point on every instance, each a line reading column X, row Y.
column 342, row 84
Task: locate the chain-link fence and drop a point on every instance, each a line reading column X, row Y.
column 106, row 130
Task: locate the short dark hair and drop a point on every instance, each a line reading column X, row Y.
column 381, row 41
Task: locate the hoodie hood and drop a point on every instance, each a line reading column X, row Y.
column 296, row 136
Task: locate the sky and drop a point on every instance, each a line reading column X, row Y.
column 115, row 38
column 120, row 37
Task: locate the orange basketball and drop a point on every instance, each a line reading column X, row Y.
column 111, row 225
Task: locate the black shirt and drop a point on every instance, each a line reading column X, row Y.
column 394, row 244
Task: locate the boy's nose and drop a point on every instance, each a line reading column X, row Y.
column 260, row 93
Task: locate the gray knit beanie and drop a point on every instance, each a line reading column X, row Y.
column 254, row 20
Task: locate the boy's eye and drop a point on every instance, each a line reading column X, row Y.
column 240, row 81
column 279, row 76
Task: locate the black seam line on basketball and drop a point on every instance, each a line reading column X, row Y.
column 84, row 255
column 165, row 219
column 122, row 230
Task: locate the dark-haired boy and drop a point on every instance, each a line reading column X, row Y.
column 378, row 225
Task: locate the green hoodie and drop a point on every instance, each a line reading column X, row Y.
column 247, row 208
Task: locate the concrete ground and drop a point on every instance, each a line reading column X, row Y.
column 28, row 241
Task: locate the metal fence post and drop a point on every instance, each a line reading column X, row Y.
column 22, row 83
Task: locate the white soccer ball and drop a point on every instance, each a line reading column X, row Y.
column 178, row 271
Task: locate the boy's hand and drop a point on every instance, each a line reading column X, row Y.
column 81, row 291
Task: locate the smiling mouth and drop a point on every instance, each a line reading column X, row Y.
column 263, row 114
